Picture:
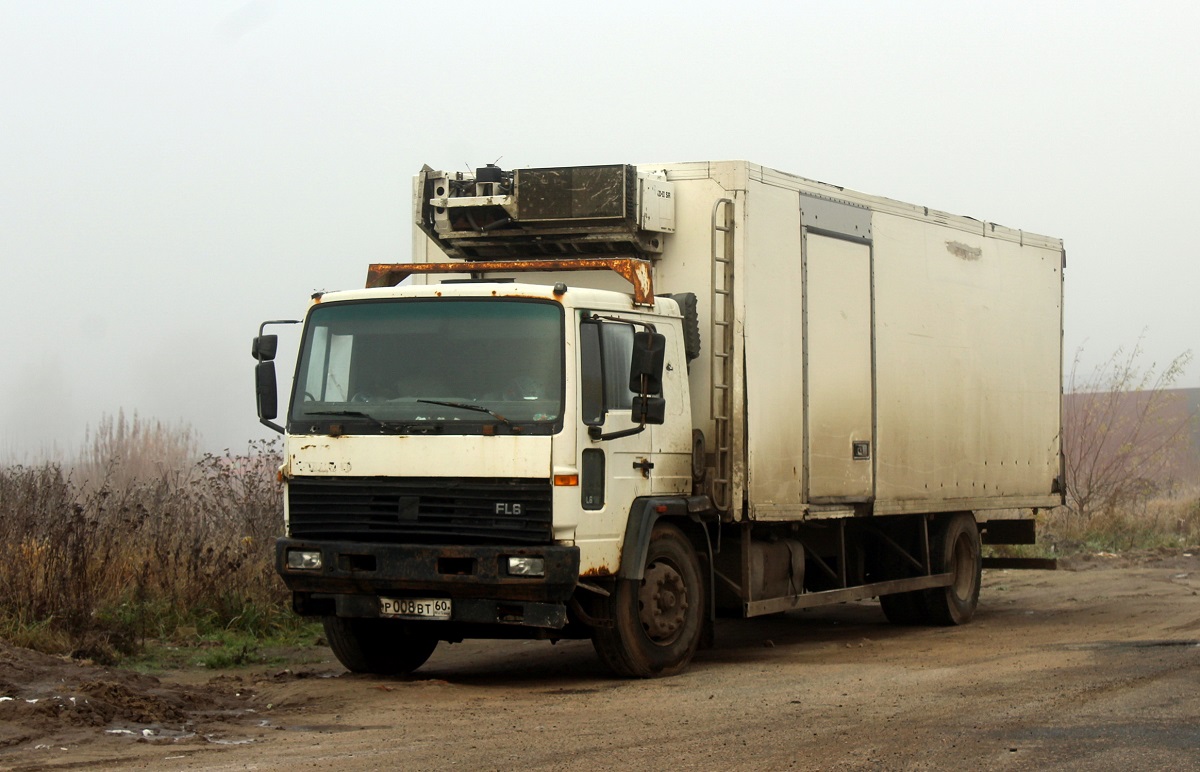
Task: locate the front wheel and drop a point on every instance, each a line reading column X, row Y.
column 657, row 622
column 377, row 646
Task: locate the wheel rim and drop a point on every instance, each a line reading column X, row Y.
column 963, row 561
column 662, row 603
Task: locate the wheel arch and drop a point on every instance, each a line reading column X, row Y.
column 643, row 516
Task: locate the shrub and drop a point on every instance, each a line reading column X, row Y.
column 1126, row 435
column 132, row 546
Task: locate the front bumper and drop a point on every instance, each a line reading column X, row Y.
column 353, row 575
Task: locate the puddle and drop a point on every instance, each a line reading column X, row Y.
column 152, row 733
column 1100, row 645
column 226, row 741
column 330, row 728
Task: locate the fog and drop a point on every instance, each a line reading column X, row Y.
column 172, row 174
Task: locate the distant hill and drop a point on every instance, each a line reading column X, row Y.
column 1176, row 415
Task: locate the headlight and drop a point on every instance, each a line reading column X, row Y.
column 307, row 560
column 526, row 566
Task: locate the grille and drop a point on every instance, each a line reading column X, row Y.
column 432, row 510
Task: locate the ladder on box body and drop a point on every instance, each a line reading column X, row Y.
column 721, row 334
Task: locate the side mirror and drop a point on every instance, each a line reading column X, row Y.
column 265, row 391
column 264, row 347
column 646, row 365
column 649, row 410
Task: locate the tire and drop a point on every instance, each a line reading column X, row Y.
column 658, row 621
column 956, row 550
column 377, row 646
column 905, row 608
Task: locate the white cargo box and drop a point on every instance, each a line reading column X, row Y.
column 882, row 357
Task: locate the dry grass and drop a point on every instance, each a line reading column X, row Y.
column 1152, row 523
column 1140, row 524
column 97, row 558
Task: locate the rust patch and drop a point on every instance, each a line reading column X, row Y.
column 598, row 571
column 634, row 270
column 964, row 251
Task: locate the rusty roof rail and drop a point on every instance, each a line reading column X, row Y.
column 633, row 269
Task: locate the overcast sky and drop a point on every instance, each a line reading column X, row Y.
column 173, row 173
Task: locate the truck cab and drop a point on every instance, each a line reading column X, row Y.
column 463, row 456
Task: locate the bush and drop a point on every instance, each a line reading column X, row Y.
column 1126, row 435
column 1156, row 523
column 121, row 549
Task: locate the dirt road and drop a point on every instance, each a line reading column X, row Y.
column 1092, row 668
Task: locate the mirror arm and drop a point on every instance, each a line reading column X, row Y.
column 263, row 326
column 271, row 425
column 631, row 322
column 598, row 436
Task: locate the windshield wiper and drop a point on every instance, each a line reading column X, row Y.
column 354, row 414
column 470, row 406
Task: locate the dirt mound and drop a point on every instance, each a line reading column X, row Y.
column 44, row 697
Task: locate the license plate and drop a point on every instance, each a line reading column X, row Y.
column 415, row 608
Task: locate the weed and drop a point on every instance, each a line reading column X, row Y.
column 98, row 559
column 1127, row 436
column 1168, row 522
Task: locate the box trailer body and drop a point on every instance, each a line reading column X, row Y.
column 847, row 383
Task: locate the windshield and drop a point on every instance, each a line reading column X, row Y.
column 431, row 366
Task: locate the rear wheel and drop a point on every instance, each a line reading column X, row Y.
column 657, row 622
column 956, row 550
column 904, row 608
column 377, row 646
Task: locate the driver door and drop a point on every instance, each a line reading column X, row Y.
column 612, row 472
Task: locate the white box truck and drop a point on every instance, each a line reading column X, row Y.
column 617, row 402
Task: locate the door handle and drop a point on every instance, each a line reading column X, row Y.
column 644, row 465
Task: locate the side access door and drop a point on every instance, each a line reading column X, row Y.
column 839, row 373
